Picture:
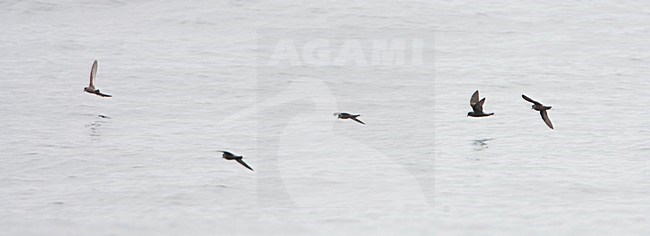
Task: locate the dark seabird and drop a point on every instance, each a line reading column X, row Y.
column 477, row 106
column 91, row 86
column 230, row 156
column 348, row 116
column 542, row 110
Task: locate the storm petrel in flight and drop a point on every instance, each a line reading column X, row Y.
column 230, row 156
column 542, row 110
column 477, row 106
column 348, row 116
column 91, row 86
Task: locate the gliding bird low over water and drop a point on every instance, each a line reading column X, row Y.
column 91, row 86
column 477, row 106
column 542, row 110
column 229, row 156
column 348, row 116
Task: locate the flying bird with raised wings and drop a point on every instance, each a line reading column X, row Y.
column 91, row 87
column 477, row 106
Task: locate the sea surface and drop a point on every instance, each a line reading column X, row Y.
column 262, row 78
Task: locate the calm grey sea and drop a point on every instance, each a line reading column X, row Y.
column 262, row 79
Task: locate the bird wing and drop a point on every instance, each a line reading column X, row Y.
column 546, row 119
column 104, row 95
column 244, row 164
column 357, row 120
column 478, row 107
column 474, row 100
column 530, row 100
column 93, row 74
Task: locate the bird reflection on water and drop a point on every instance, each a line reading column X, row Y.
column 95, row 127
column 481, row 144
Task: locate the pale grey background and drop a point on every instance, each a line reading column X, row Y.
column 187, row 83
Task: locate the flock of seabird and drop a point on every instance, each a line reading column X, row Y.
column 477, row 108
column 474, row 102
